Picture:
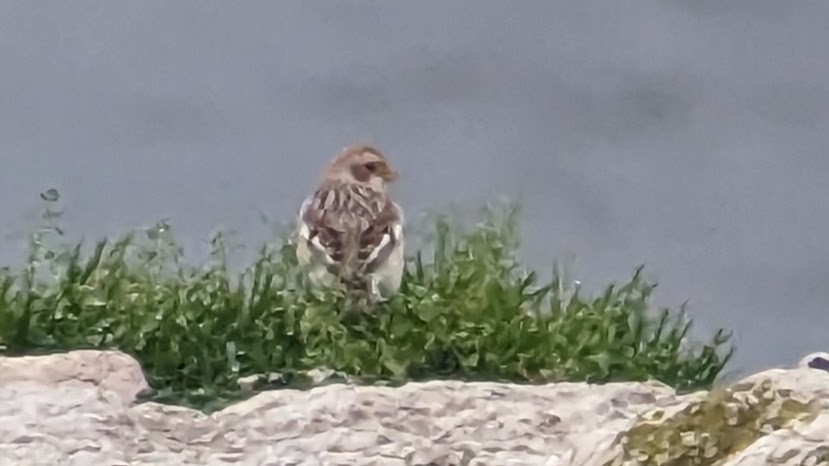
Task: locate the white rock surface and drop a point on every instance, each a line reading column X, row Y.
column 77, row 409
column 108, row 370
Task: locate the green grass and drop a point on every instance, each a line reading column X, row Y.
column 467, row 309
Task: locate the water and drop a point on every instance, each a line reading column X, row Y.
column 689, row 136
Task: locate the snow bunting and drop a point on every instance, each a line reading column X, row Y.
column 350, row 229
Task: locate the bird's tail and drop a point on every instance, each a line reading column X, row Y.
column 350, row 272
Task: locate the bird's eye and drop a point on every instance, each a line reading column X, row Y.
column 372, row 166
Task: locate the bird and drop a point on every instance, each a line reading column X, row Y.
column 350, row 229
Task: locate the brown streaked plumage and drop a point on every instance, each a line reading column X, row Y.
column 350, row 229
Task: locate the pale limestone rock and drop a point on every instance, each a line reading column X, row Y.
column 108, row 370
column 47, row 417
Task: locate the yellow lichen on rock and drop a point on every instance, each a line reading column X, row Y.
column 707, row 431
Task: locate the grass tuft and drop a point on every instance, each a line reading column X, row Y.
column 467, row 309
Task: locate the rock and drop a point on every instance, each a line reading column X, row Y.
column 819, row 360
column 248, row 384
column 767, row 418
column 90, row 417
column 108, row 370
column 251, row 383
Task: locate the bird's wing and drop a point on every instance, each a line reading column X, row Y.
column 351, row 227
column 381, row 236
column 321, row 239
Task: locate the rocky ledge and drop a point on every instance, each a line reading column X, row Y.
column 80, row 408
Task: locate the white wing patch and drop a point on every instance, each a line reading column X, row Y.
column 395, row 236
column 400, row 220
column 305, row 233
column 376, row 251
column 315, row 242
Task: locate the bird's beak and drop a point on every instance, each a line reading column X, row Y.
column 391, row 175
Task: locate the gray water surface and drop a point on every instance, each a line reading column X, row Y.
column 690, row 136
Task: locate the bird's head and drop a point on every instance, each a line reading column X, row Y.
column 363, row 165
